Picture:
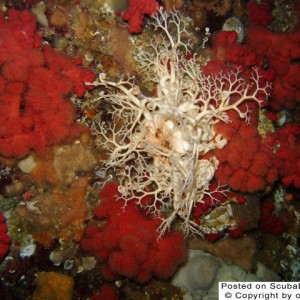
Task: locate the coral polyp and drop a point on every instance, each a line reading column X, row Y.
column 160, row 145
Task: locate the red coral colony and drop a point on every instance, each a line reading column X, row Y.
column 35, row 83
column 4, row 238
column 132, row 249
column 136, row 11
column 121, row 244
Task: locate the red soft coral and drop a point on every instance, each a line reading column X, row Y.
column 128, row 244
column 34, row 107
column 227, row 49
column 269, row 222
column 4, row 238
column 246, row 163
column 136, row 11
column 107, row 291
column 286, row 143
column 259, row 14
column 280, row 50
column 274, row 54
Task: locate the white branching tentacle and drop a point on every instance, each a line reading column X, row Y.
column 156, row 144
